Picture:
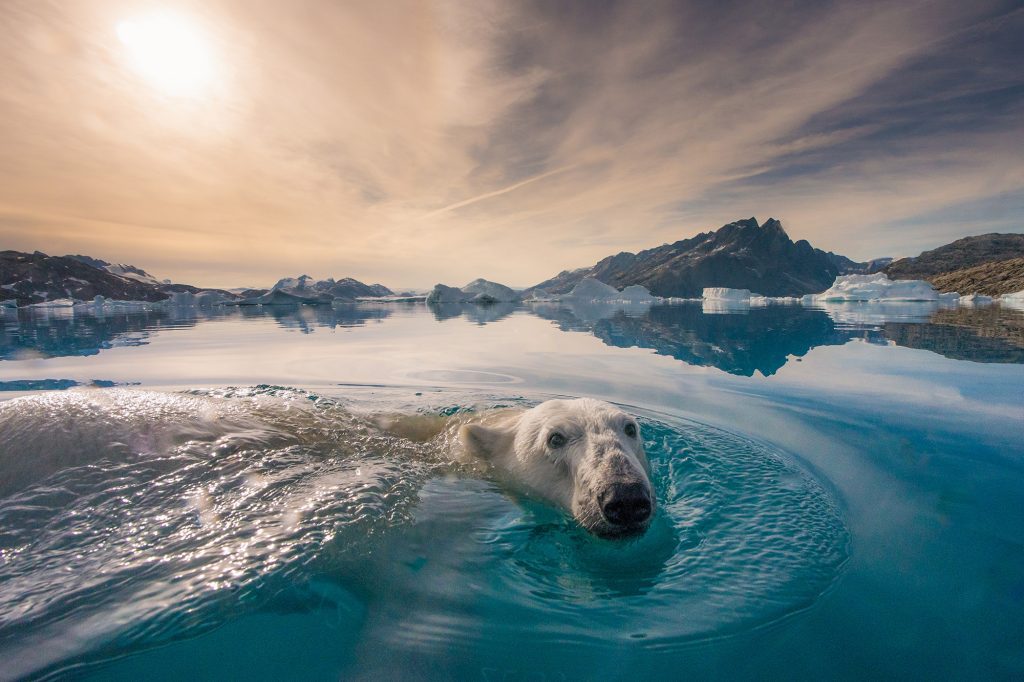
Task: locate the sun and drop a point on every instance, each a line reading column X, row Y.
column 169, row 52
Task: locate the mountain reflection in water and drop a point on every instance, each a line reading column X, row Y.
column 740, row 340
column 85, row 330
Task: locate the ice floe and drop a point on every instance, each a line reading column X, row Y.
column 1014, row 300
column 975, row 300
column 878, row 287
column 725, row 294
column 590, row 289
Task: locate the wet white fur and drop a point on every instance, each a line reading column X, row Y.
column 598, row 452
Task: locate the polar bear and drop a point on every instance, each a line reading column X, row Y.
column 583, row 455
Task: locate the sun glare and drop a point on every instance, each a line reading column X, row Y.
column 169, row 52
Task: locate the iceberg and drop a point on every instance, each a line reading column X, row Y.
column 975, row 299
column 877, row 287
column 484, row 291
column 725, row 294
column 590, row 289
column 445, row 294
column 635, row 293
column 56, row 303
column 541, row 296
column 1014, row 300
column 199, row 299
column 479, row 291
column 280, row 297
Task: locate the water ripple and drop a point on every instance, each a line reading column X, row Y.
column 283, row 500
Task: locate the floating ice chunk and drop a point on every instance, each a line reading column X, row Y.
column 55, row 303
column 445, row 294
column 182, row 298
column 1014, row 300
column 635, row 293
column 725, row 294
column 282, row 297
column 483, row 290
column 479, row 291
column 975, row 299
column 877, row 287
column 590, row 289
column 540, row 295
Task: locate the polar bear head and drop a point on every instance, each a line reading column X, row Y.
column 584, row 455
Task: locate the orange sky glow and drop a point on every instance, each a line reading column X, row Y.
column 231, row 143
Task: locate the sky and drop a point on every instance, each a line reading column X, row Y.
column 234, row 142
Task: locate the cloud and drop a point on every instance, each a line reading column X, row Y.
column 408, row 142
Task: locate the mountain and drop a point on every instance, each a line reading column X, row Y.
column 119, row 269
column 346, row 288
column 307, row 290
column 740, row 255
column 959, row 255
column 36, row 277
column 847, row 266
column 990, row 279
column 480, row 291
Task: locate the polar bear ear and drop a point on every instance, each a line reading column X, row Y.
column 486, row 441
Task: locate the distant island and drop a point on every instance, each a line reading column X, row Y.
column 741, row 255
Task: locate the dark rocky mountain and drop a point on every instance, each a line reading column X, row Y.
column 959, row 255
column 740, row 255
column 847, row 266
column 37, row 277
column 991, row 279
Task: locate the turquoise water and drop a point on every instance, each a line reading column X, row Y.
column 840, row 495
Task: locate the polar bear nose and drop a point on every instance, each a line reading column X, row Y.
column 627, row 504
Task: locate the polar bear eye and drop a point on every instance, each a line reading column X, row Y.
column 556, row 440
column 630, row 430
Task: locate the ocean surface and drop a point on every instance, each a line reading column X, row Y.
column 841, row 495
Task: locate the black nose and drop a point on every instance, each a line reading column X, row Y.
column 627, row 504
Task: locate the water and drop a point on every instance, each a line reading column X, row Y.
column 840, row 495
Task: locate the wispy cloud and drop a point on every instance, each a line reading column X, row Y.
column 409, row 142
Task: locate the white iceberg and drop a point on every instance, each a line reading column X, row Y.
column 55, row 303
column 725, row 294
column 541, row 296
column 877, row 287
column 485, row 291
column 590, row 289
column 479, row 291
column 635, row 293
column 975, row 299
column 199, row 299
column 445, row 294
column 1014, row 300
